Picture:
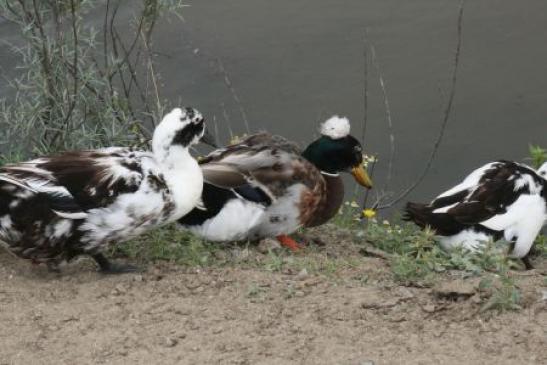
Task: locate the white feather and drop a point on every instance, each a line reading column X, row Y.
column 468, row 239
column 336, row 127
column 542, row 171
column 524, row 218
column 282, row 216
column 470, row 182
column 232, row 223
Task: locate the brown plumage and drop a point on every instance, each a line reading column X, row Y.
column 266, row 186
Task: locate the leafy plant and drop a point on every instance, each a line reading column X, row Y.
column 80, row 88
column 538, row 155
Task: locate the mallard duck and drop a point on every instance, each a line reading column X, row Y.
column 53, row 209
column 501, row 199
column 265, row 186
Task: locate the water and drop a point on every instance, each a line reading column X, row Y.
column 294, row 63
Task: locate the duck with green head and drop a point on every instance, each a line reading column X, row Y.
column 265, row 186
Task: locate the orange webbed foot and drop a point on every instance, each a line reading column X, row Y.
column 288, row 242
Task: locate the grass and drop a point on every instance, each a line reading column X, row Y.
column 168, row 244
column 414, row 256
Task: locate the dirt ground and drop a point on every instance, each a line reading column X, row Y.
column 171, row 314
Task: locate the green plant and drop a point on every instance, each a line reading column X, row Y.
column 80, row 87
column 538, row 155
column 504, row 294
column 168, row 244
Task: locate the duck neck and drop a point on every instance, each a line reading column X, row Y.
column 171, row 157
column 332, row 202
column 183, row 177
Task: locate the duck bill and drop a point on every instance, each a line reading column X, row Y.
column 361, row 176
column 208, row 139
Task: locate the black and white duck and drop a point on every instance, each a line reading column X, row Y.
column 501, row 199
column 55, row 208
column 265, row 186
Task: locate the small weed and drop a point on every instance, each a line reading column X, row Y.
column 274, row 262
column 290, row 291
column 505, row 295
column 538, row 155
column 540, row 246
column 255, row 291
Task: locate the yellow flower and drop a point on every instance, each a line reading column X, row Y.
column 369, row 213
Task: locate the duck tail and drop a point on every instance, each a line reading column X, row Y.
column 421, row 214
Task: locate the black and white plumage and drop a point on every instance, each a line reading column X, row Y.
column 55, row 208
column 501, row 199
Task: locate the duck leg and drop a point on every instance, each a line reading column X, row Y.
column 527, row 263
column 108, row 267
column 525, row 260
column 288, row 242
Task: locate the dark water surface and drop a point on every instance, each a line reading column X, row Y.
column 293, row 63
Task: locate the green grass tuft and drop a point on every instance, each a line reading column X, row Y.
column 168, row 244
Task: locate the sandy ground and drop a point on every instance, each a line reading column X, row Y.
column 231, row 315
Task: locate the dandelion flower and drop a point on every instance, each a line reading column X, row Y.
column 369, row 213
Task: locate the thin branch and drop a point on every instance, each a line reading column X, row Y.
column 152, row 71
column 371, row 174
column 446, row 116
column 227, row 120
column 74, row 73
column 105, row 35
column 365, row 90
column 388, row 118
column 230, row 87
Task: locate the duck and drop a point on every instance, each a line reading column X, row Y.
column 266, row 186
column 56, row 208
column 500, row 200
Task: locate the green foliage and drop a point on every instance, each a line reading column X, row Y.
column 540, row 246
column 80, row 88
column 416, row 259
column 538, row 155
column 348, row 216
column 504, row 294
column 168, row 244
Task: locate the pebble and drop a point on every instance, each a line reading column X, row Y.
column 170, row 342
column 268, row 244
column 429, row 308
column 302, row 275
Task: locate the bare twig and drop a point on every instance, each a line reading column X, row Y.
column 388, row 118
column 371, row 174
column 227, row 119
column 74, row 73
column 446, row 116
column 152, row 71
column 365, row 83
column 230, row 87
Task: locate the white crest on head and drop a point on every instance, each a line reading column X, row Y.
column 542, row 171
column 335, row 127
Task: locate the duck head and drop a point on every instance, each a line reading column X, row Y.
column 181, row 128
column 337, row 151
column 542, row 171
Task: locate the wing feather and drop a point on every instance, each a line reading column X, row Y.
column 92, row 178
column 498, row 188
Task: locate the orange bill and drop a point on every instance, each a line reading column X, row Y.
column 361, row 176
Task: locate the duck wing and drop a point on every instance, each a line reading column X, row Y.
column 91, row 179
column 498, row 188
column 460, row 192
column 261, row 165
